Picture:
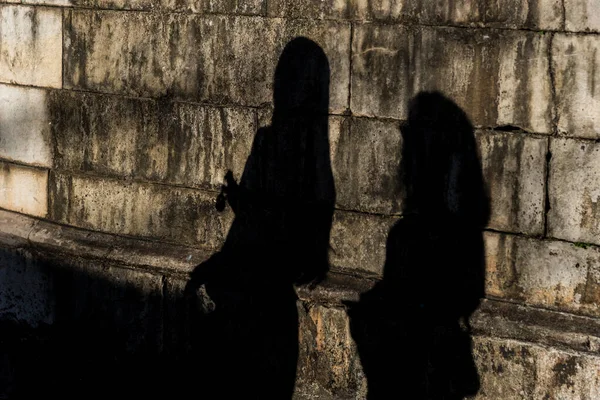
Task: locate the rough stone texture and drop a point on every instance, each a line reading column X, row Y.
column 550, row 274
column 576, row 62
column 499, row 77
column 515, row 370
column 582, row 15
column 24, row 189
column 24, row 126
column 328, row 360
column 574, row 191
column 15, row 229
column 172, row 214
column 174, row 143
column 244, row 7
column 514, row 166
column 506, row 320
column 193, row 57
column 31, row 45
column 358, row 241
column 26, row 288
column 366, row 163
column 43, row 2
column 532, row 14
column 239, row 7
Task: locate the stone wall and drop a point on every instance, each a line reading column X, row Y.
column 119, row 119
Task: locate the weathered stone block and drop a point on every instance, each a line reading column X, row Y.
column 514, row 167
column 507, row 369
column 515, row 370
column 582, row 15
column 509, row 320
column 44, row 2
column 328, row 359
column 358, row 241
column 175, row 143
column 24, row 189
column 366, row 163
column 206, row 142
column 543, row 273
column 15, row 229
column 531, row 14
column 26, row 288
column 108, row 135
column 392, row 63
column 574, row 192
column 146, row 5
column 240, row 7
column 576, row 64
column 333, row 9
column 24, row 126
column 31, row 43
column 193, row 57
column 541, row 14
column 130, row 208
column 564, row 375
column 245, row 7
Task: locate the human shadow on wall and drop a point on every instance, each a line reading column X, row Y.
column 279, row 238
column 412, row 329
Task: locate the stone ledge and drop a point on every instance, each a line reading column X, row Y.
column 500, row 319
column 47, row 237
column 494, row 318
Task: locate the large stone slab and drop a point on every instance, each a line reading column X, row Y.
column 212, row 58
column 514, row 169
column 24, row 189
column 543, row 273
column 532, row 14
column 499, row 77
column 576, row 65
column 516, row 370
column 163, row 212
column 31, row 43
column 25, row 126
column 366, row 156
column 176, row 143
column 574, row 191
column 358, row 241
column 582, row 15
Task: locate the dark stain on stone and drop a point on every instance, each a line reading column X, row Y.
column 507, row 352
column 59, row 197
column 519, row 151
column 565, row 371
column 497, row 368
column 522, row 65
column 592, row 74
column 591, row 289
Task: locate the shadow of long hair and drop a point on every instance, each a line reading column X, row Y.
column 279, row 238
column 412, row 329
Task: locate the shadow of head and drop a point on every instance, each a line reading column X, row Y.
column 301, row 83
column 440, row 164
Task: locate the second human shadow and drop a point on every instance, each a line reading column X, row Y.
column 412, row 329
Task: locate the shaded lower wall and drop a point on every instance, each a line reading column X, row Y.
column 90, row 314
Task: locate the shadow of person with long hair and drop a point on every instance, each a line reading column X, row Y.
column 412, row 329
column 279, row 238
